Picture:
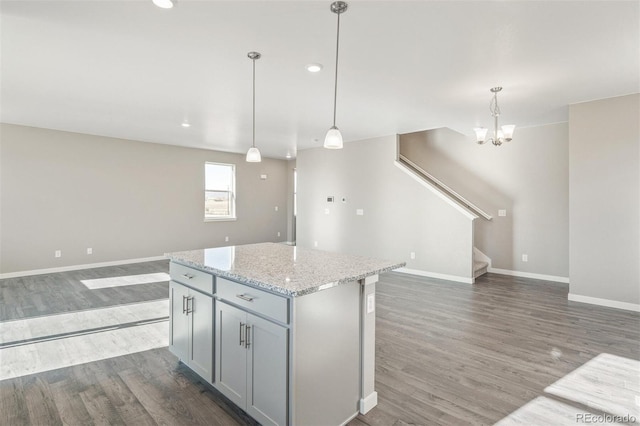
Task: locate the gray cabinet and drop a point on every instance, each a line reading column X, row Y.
column 191, row 328
column 251, row 363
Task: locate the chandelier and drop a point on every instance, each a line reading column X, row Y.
column 500, row 135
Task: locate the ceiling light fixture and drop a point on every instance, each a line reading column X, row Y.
column 253, row 155
column 333, row 139
column 165, row 4
column 504, row 134
column 314, row 68
column 185, row 124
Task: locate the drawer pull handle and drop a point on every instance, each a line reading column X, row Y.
column 244, row 297
column 188, row 276
column 241, row 334
column 189, row 307
column 184, row 302
column 247, row 336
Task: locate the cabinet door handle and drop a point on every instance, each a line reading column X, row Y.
column 184, row 307
column 188, row 276
column 189, row 308
column 248, row 336
column 245, row 297
column 241, row 334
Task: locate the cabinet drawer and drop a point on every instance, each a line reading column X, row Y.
column 192, row 277
column 251, row 298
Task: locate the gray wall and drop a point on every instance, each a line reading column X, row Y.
column 400, row 215
column 527, row 177
column 125, row 199
column 605, row 195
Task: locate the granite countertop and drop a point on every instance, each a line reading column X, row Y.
column 289, row 270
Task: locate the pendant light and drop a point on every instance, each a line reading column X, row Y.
column 333, row 139
column 253, row 155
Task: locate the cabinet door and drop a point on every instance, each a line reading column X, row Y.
column 201, row 323
column 179, row 322
column 267, row 368
column 231, row 354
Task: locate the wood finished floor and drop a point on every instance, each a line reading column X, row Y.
column 446, row 354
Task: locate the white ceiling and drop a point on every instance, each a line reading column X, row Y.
column 128, row 69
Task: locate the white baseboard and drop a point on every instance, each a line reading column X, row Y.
column 79, row 267
column 604, row 302
column 368, row 402
column 456, row 278
column 529, row 275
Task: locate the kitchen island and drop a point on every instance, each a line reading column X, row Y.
column 286, row 333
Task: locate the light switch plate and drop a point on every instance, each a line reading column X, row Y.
column 502, row 212
column 263, row 177
column 326, row 211
column 360, row 212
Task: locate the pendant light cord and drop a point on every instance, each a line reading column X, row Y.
column 253, row 144
column 335, row 87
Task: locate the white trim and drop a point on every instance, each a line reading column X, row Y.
column 367, row 403
column 604, row 302
column 79, row 267
column 456, row 278
column 529, row 275
column 435, row 190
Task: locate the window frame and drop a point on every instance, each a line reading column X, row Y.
column 232, row 193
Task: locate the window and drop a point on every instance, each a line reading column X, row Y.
column 219, row 191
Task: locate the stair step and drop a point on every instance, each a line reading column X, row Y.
column 479, row 268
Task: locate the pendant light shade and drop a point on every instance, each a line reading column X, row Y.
column 253, row 155
column 333, row 139
column 165, row 4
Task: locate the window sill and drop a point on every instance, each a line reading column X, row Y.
column 220, row 219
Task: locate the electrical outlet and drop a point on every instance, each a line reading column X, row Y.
column 315, row 244
column 278, row 234
column 58, row 253
column 89, row 250
column 371, row 302
column 502, row 212
column 276, row 208
column 360, row 212
column 525, row 257
column 263, row 177
column 413, row 255
column 226, row 239
column 326, row 211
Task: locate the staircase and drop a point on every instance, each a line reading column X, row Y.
column 481, row 263
column 479, row 268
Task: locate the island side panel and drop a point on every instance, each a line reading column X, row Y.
column 326, row 356
column 368, row 395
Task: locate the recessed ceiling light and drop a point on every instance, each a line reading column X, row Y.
column 185, row 124
column 165, row 4
column 314, row 67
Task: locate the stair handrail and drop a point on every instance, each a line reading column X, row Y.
column 457, row 197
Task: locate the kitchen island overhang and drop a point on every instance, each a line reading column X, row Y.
column 315, row 308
